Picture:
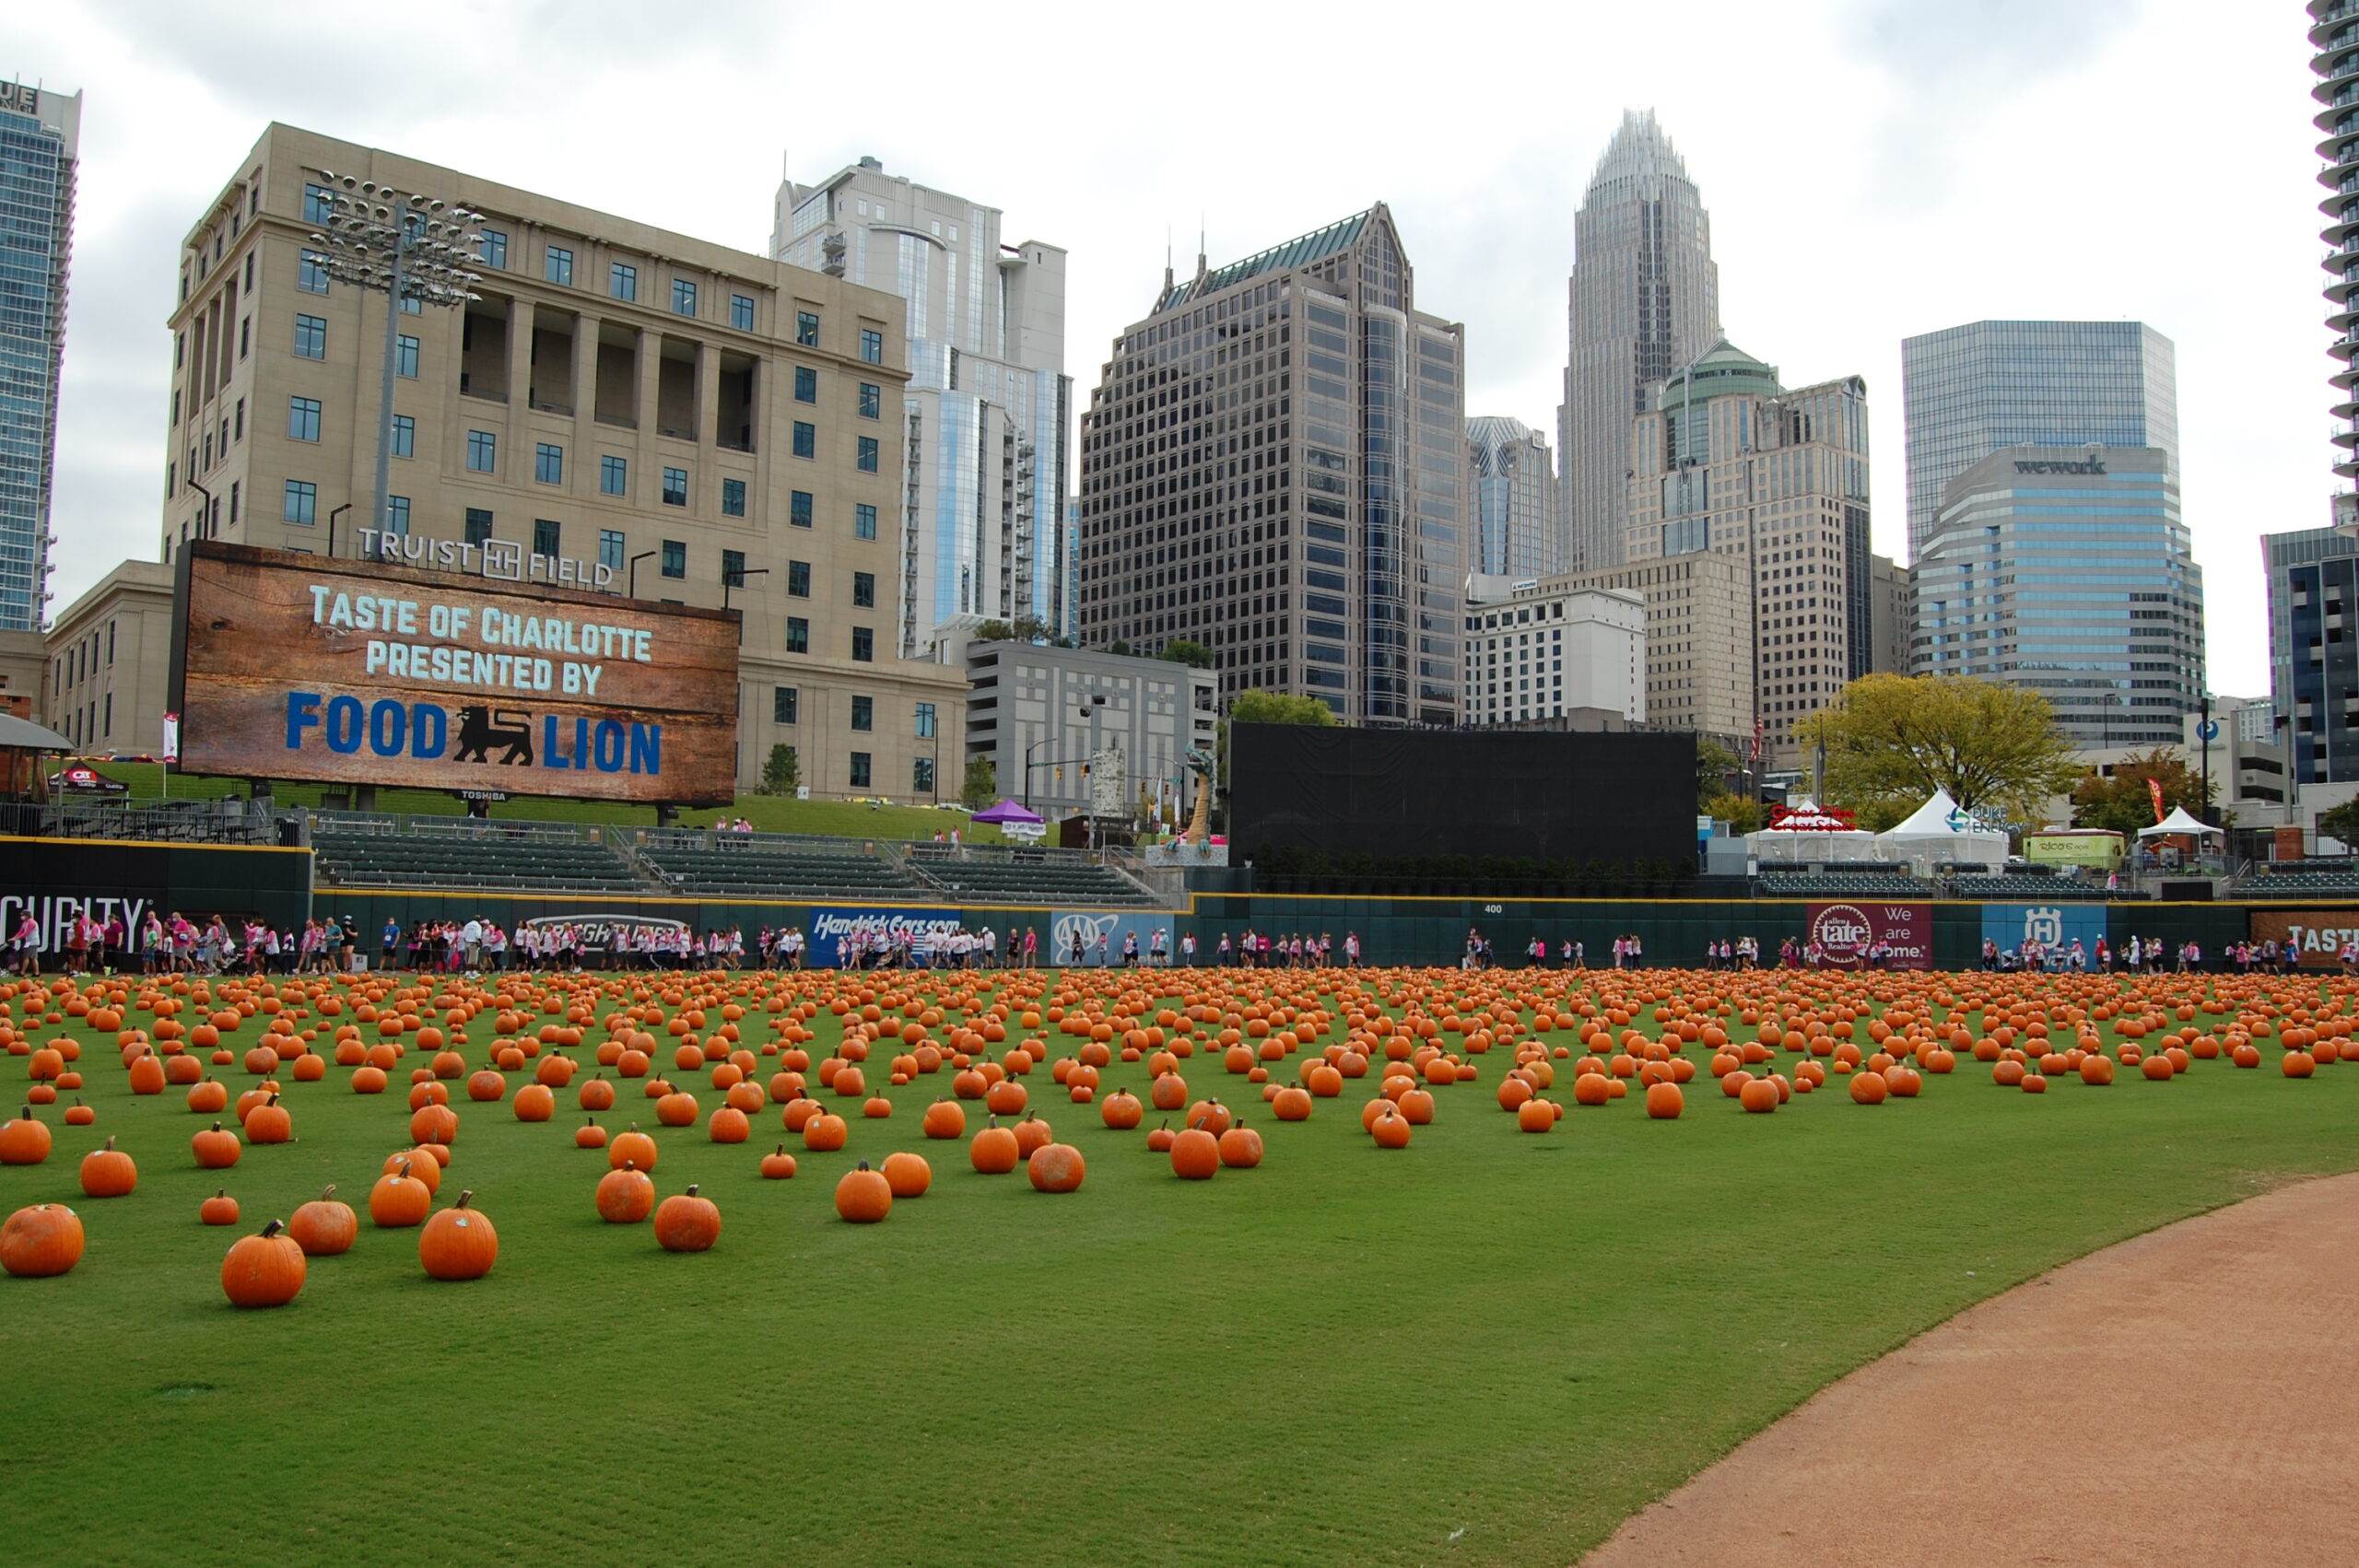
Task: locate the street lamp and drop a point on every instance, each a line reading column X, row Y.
column 331, row 517
column 737, row 580
column 406, row 247
column 642, row 556
column 205, row 512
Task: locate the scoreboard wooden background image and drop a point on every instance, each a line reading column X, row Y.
column 300, row 667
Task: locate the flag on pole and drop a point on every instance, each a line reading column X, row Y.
column 2155, row 788
column 172, row 752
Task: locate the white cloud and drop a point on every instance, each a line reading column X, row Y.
column 1873, row 168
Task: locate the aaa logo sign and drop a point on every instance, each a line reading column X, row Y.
column 1874, row 934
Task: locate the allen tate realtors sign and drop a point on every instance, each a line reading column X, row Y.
column 292, row 666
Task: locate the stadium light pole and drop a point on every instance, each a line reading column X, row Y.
column 406, row 246
column 737, row 580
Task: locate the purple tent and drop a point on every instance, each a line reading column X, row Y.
column 1009, row 812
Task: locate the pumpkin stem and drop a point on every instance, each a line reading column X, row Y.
column 323, row 1196
column 402, row 1175
column 110, row 1143
column 692, row 1189
column 462, row 1200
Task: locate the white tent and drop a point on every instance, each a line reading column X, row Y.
column 1807, row 835
column 2178, row 822
column 1939, row 831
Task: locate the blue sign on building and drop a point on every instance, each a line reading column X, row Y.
column 831, row 926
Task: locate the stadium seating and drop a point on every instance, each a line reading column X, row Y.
column 1846, row 882
column 491, row 861
column 2032, row 887
column 759, row 869
column 1038, row 883
column 2304, row 881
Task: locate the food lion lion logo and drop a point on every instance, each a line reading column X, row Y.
column 1088, row 928
column 1843, row 933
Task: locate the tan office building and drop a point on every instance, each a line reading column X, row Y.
column 108, row 659
column 1699, row 638
column 631, row 409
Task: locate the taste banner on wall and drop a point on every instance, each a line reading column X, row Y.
column 1851, row 935
column 2317, row 935
column 2050, row 925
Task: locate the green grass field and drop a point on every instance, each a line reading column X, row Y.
column 1487, row 1348
column 769, row 813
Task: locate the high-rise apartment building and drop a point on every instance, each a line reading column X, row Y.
column 1645, row 300
column 1726, row 460
column 621, row 404
column 1974, row 389
column 979, row 527
column 2313, row 648
column 1891, row 615
column 1548, row 653
column 1273, row 466
column 2068, row 572
column 2334, row 38
column 41, row 133
column 1512, row 480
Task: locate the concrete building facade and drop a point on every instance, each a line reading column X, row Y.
column 2313, row 576
column 1545, row 653
column 1891, row 615
column 1726, row 460
column 2334, row 42
column 1039, row 713
column 1972, row 390
column 1699, row 648
column 41, row 133
column 1644, row 299
column 981, row 526
column 1273, row 465
column 663, row 417
column 2069, row 573
column 108, row 656
column 1512, row 480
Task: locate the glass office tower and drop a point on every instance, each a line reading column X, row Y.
column 39, row 133
column 1972, row 389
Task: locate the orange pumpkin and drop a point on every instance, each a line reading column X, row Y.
column 864, row 1197
column 459, row 1243
column 266, row 1270
column 324, row 1227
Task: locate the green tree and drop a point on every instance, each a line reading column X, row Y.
column 782, row 774
column 1183, row 650
column 1121, row 645
column 2342, row 822
column 1259, row 707
column 2123, row 801
column 1892, row 739
column 1742, row 814
column 992, row 631
column 1715, row 766
column 981, row 786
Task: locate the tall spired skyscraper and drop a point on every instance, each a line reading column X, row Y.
column 1646, row 300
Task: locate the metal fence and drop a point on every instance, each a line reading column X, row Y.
column 181, row 822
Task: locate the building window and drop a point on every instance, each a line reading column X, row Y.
column 741, row 312
column 676, row 558
column 397, row 516
column 548, row 538
column 863, row 520
column 733, row 568
column 733, row 497
column 548, row 463
column 860, row 762
column 806, row 384
column 925, row 721
column 482, row 451
column 613, row 475
column 676, row 487
column 492, row 250
column 806, row 329
column 233, row 501
column 872, row 400
column 405, row 357
column 302, row 502
column 312, row 273
column 784, row 700
column 310, row 337
column 798, row 635
column 478, row 525
column 556, row 266
column 302, row 419
column 798, row 507
column 868, row 454
column 610, row 548
column 242, row 419
column 872, row 346
column 319, row 206
column 806, row 439
column 404, row 435
column 864, row 713
column 622, row 281
column 684, row 297
column 864, row 646
column 922, row 775
column 798, row 579
column 863, row 589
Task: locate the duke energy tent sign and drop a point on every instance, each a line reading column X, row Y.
column 291, row 666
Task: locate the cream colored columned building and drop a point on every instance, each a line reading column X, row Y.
column 107, row 657
column 633, row 408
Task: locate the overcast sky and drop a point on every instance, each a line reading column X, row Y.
column 1873, row 168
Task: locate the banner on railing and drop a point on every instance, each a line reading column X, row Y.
column 1873, row 933
column 872, row 930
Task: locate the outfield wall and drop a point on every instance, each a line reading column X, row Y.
column 57, row 878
